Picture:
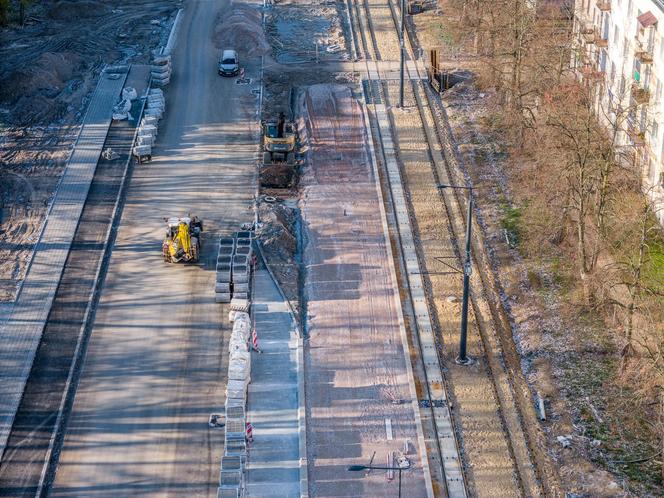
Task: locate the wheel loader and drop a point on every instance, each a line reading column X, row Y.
column 182, row 242
column 279, row 141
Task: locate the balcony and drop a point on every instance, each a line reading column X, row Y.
column 635, row 133
column 588, row 36
column 604, row 5
column 643, row 52
column 644, row 56
column 640, row 94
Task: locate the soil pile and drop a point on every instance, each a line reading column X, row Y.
column 66, row 9
column 242, row 30
column 278, row 238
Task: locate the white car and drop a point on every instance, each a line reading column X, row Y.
column 229, row 64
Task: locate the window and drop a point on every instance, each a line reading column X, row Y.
column 621, row 91
column 613, row 71
column 658, row 92
column 616, row 35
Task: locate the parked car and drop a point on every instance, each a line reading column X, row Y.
column 229, row 64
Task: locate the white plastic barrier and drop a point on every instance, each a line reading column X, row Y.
column 145, row 140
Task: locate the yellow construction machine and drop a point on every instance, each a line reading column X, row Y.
column 182, row 242
column 279, row 141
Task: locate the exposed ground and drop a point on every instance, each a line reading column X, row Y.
column 567, row 357
column 47, row 70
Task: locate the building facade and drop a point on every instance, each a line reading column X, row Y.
column 620, row 44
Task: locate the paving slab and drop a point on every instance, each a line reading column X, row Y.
column 358, row 389
column 22, row 331
column 273, row 467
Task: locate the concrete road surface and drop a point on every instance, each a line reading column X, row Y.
column 153, row 371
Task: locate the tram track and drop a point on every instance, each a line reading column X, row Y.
column 507, row 384
column 441, row 447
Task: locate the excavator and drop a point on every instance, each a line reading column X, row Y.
column 182, row 242
column 279, row 141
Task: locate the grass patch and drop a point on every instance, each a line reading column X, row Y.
column 653, row 273
column 511, row 222
column 622, row 428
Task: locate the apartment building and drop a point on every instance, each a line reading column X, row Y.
column 621, row 46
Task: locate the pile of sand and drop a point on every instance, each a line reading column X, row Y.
column 242, row 30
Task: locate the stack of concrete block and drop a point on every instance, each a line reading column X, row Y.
column 222, row 287
column 235, row 438
column 231, row 477
column 161, row 70
column 242, row 265
column 147, row 129
column 230, row 493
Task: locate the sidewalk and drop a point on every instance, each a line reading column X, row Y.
column 273, row 467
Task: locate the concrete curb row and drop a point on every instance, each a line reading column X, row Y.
column 172, row 37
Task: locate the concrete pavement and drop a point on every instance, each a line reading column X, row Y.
column 274, row 464
column 155, row 367
column 358, row 392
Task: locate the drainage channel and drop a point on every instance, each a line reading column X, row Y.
column 30, row 458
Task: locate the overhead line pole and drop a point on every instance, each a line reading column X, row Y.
column 403, row 52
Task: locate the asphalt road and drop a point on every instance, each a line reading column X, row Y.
column 153, row 371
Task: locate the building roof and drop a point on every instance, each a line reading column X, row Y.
column 647, row 19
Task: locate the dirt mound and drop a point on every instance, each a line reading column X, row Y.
column 242, row 30
column 278, row 231
column 66, row 9
column 48, row 76
column 31, row 90
column 277, row 176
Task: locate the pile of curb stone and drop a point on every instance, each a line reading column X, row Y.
column 234, row 262
column 161, row 70
column 155, row 106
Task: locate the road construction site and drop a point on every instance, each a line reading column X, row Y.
column 356, row 299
